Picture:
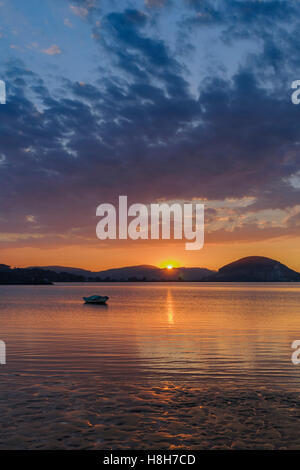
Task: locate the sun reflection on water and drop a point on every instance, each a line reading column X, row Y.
column 170, row 308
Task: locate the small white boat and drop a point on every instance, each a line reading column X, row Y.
column 96, row 299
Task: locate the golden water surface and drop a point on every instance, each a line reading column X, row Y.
column 163, row 365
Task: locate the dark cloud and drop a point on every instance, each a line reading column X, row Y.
column 204, row 14
column 243, row 13
column 143, row 133
column 156, row 3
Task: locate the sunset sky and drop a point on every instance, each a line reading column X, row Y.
column 174, row 100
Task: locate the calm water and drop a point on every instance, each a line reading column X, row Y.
column 83, row 376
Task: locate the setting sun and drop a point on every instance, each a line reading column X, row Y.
column 169, row 264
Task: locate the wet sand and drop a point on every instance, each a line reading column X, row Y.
column 85, row 414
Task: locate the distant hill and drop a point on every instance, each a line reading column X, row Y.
column 136, row 273
column 254, row 269
column 34, row 276
column 250, row 269
column 63, row 269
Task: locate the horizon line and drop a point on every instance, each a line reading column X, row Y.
column 139, row 265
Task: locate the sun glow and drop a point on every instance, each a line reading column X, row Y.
column 169, row 264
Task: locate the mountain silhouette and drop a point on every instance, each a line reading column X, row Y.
column 254, row 269
column 34, row 276
column 137, row 273
column 249, row 269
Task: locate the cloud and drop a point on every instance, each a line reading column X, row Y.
column 67, row 22
column 52, row 50
column 155, row 3
column 140, row 131
column 79, row 11
column 30, row 218
column 82, row 8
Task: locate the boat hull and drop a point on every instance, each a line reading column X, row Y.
column 96, row 299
